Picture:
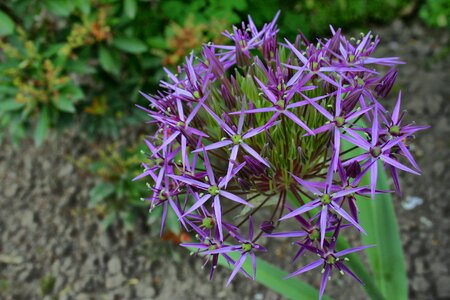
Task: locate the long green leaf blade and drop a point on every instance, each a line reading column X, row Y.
column 42, row 127
column 378, row 218
column 387, row 258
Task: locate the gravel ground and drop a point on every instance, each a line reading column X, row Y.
column 47, row 234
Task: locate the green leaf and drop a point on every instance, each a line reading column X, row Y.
column 129, row 220
column 120, row 189
column 172, row 222
column 42, row 127
column 108, row 220
column 99, row 192
column 130, row 8
column 10, row 105
column 17, row 132
column 8, row 90
column 61, row 8
column 378, row 218
column 52, row 50
column 386, row 259
column 131, row 45
column 80, row 67
column 157, row 42
column 272, row 277
column 109, row 62
column 64, row 104
column 84, row 6
column 6, row 24
column 72, row 92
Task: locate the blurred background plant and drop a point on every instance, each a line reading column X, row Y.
column 81, row 63
column 436, row 13
column 114, row 197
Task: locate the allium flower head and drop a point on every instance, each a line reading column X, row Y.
column 258, row 124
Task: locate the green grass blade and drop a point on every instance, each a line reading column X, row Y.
column 378, row 218
column 386, row 259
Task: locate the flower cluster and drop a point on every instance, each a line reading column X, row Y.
column 257, row 125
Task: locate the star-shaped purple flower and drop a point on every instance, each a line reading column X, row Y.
column 326, row 199
column 214, row 189
column 329, row 259
column 237, row 138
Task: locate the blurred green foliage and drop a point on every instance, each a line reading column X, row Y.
column 115, row 197
column 64, row 60
column 313, row 17
column 47, row 284
column 85, row 60
column 436, row 13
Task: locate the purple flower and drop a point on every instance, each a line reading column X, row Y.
column 336, row 122
column 237, row 138
column 267, row 227
column 281, row 106
column 330, row 259
column 385, row 85
column 375, row 150
column 252, row 130
column 214, row 190
column 309, row 234
column 205, row 248
column 326, row 200
column 246, row 248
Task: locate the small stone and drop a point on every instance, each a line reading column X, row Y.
column 65, row 170
column 28, row 219
column 417, row 30
column 113, row 281
column 419, row 266
column 420, row 284
column 412, row 202
column 114, row 265
column 82, row 296
column 85, row 283
column 144, row 292
column 89, row 265
column 426, row 222
column 438, row 169
column 442, row 125
column 11, row 190
column 222, row 294
column 415, row 247
column 46, row 165
column 68, row 197
column 64, row 249
column 104, row 240
column 59, row 283
column 259, row 296
column 91, row 231
column 11, row 259
column 26, row 274
column 397, row 26
column 66, row 264
column 443, row 287
column 123, row 292
column 439, row 268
